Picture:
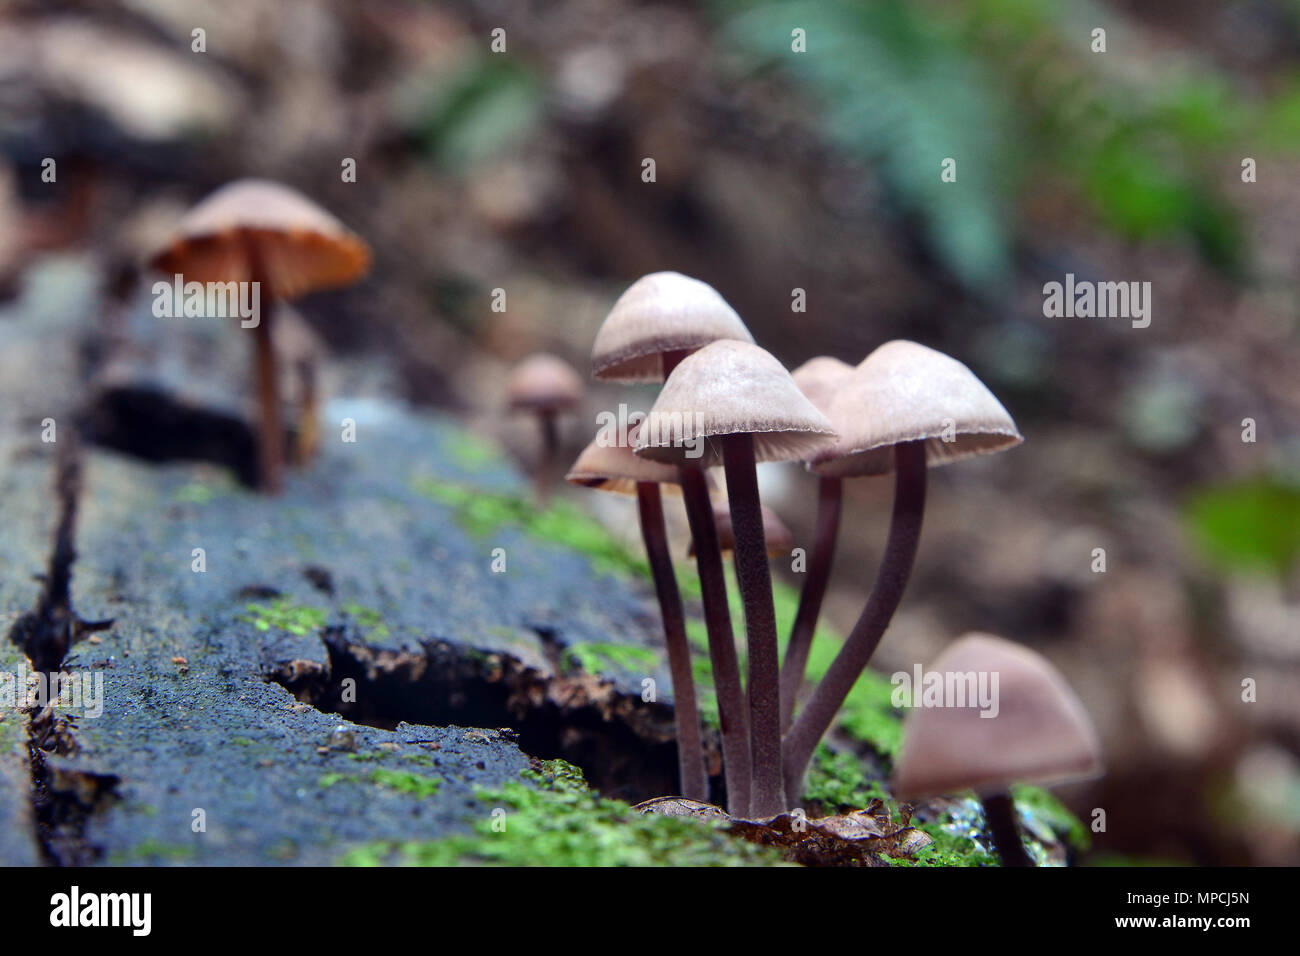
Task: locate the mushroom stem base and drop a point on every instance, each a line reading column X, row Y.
column 1000, row 812
column 692, row 779
column 722, row 642
column 767, row 795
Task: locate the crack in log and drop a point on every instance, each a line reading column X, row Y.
column 47, row 632
column 625, row 746
column 63, row 796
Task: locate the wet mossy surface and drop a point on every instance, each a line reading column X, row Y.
column 551, row 818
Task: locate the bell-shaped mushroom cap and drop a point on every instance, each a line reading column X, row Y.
column 730, row 388
column 544, row 383
column 906, row 392
column 820, row 379
column 661, row 312
column 1040, row 734
column 302, row 248
column 779, row 539
column 614, row 467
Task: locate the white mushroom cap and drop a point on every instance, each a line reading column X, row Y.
column 544, row 383
column 616, row 468
column 906, row 392
column 302, row 247
column 1041, row 733
column 730, row 388
column 820, row 379
column 661, row 312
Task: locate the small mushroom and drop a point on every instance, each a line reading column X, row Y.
column 262, row 232
column 657, row 322
column 615, row 468
column 820, row 379
column 1039, row 734
column 732, row 402
column 903, row 408
column 659, row 319
column 546, row 386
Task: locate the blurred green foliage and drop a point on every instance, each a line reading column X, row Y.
column 1012, row 90
column 894, row 86
column 481, row 108
column 1249, row 524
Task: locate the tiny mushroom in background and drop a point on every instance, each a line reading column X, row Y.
column 546, row 386
column 734, row 403
column 615, row 468
column 1034, row 731
column 820, row 379
column 301, row 352
column 778, row 537
column 903, row 408
column 284, row 245
column 659, row 320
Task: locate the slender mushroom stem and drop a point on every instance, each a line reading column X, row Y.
column 308, row 435
column 270, row 458
column 1000, row 812
column 895, row 568
column 767, row 796
column 546, row 463
column 722, row 642
column 829, row 498
column 690, row 752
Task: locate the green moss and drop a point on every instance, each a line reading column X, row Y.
column 151, row 849
column 370, row 620
column 552, row 819
column 241, row 741
column 404, row 781
column 838, row 783
column 948, row 849
column 284, row 615
column 596, row 658
column 1036, row 805
column 194, row 493
column 332, row 779
column 482, row 513
column 470, row 451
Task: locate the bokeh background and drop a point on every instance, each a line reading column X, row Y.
column 817, row 171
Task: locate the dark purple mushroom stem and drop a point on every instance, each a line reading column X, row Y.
column 1000, row 812
column 690, row 753
column 732, row 713
column 545, row 470
column 895, row 568
column 270, row 457
column 829, row 498
column 722, row 642
column 767, row 796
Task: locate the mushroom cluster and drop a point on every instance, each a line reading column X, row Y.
column 725, row 402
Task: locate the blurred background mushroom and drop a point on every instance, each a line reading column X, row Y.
column 546, row 387
column 989, row 713
column 267, row 237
